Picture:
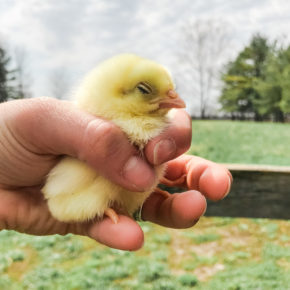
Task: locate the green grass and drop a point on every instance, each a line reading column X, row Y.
column 203, row 238
column 217, row 253
column 242, row 142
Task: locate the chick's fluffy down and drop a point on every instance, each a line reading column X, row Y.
column 133, row 93
column 76, row 193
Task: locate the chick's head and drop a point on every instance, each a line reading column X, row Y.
column 128, row 86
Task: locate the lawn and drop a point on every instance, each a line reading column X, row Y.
column 242, row 142
column 218, row 253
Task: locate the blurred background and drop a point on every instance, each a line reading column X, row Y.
column 231, row 64
column 52, row 44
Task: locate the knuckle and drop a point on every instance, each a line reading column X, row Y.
column 102, row 140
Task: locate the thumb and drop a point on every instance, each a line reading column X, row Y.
column 50, row 126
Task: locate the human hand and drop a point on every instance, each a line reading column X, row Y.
column 35, row 134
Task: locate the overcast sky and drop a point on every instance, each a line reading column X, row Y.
column 75, row 35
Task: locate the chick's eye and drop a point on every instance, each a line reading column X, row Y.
column 144, row 88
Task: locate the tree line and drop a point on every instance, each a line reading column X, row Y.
column 253, row 85
column 257, row 82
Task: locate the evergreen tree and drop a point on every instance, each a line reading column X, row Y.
column 6, row 91
column 3, row 75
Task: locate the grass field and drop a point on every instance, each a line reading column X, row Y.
column 218, row 253
column 242, row 142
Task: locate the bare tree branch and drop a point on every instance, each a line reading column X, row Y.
column 203, row 46
column 23, row 78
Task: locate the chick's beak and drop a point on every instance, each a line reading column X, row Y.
column 172, row 100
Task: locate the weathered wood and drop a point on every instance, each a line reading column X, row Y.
column 257, row 192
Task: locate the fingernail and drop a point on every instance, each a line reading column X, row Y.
column 180, row 118
column 163, row 151
column 172, row 113
column 139, row 173
column 229, row 187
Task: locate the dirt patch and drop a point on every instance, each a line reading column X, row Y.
column 205, row 272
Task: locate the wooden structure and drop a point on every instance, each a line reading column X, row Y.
column 257, row 192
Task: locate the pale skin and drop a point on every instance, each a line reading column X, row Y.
column 35, row 133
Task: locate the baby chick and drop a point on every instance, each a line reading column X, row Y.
column 136, row 94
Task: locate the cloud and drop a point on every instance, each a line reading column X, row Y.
column 77, row 34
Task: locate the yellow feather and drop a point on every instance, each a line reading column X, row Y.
column 75, row 192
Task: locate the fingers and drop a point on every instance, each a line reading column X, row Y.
column 126, row 235
column 172, row 142
column 203, row 179
column 211, row 179
column 48, row 126
column 177, row 211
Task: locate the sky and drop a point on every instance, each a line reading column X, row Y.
column 74, row 36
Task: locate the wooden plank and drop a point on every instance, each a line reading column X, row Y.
column 257, row 192
column 254, row 168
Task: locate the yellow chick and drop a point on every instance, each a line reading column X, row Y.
column 136, row 94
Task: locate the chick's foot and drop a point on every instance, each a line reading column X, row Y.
column 177, row 182
column 110, row 213
column 162, row 192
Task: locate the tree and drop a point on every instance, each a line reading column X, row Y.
column 203, row 46
column 240, row 94
column 285, row 84
column 5, row 76
column 13, row 82
column 275, row 88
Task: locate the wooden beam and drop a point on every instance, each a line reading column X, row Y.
column 258, row 191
